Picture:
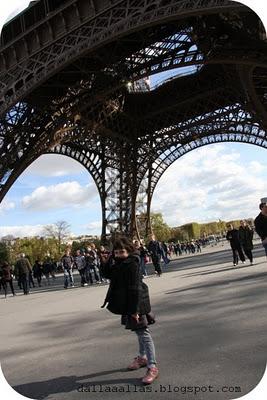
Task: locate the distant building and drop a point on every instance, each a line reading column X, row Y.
column 8, row 240
column 83, row 238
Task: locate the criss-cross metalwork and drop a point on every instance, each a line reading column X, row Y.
column 74, row 80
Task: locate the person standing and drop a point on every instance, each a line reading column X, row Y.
column 6, row 277
column 233, row 237
column 67, row 265
column 53, row 269
column 164, row 253
column 79, row 262
column 260, row 223
column 140, row 248
column 154, row 249
column 246, row 239
column 47, row 270
column 128, row 296
column 37, row 272
column 22, row 271
column 92, row 263
column 31, row 281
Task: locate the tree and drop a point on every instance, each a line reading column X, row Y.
column 192, row 229
column 58, row 231
column 4, row 252
column 178, row 234
column 161, row 230
column 35, row 248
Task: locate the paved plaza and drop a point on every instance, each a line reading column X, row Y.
column 210, row 335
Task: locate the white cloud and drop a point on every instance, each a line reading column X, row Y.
column 6, row 205
column 210, row 184
column 11, row 8
column 92, row 228
column 22, row 230
column 67, row 194
column 94, row 225
column 51, row 165
column 256, row 167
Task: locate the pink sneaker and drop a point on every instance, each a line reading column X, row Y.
column 151, row 374
column 137, row 363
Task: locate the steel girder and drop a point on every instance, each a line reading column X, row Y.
column 233, row 126
column 71, row 82
column 24, row 67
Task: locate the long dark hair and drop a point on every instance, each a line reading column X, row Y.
column 123, row 242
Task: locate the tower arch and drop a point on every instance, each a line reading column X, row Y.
column 159, row 165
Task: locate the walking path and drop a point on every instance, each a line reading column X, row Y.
column 210, row 335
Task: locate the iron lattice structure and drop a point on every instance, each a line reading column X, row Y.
column 73, row 82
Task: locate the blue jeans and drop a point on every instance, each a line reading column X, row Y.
column 68, row 277
column 265, row 248
column 143, row 266
column 165, row 259
column 94, row 270
column 146, row 346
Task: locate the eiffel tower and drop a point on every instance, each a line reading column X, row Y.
column 74, row 81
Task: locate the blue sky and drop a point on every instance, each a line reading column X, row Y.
column 218, row 181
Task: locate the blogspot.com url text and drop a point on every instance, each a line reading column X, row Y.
column 195, row 390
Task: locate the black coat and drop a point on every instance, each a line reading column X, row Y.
column 154, row 247
column 245, row 237
column 233, row 237
column 261, row 226
column 127, row 294
column 6, row 273
column 37, row 270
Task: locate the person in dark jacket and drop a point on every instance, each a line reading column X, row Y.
column 79, row 262
column 246, row 239
column 22, row 271
column 92, row 264
column 37, row 271
column 261, row 223
column 128, row 296
column 164, row 253
column 143, row 253
column 233, row 237
column 67, row 264
column 46, row 268
column 31, row 281
column 154, row 249
column 6, row 277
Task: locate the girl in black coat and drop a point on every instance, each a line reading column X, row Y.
column 233, row 237
column 246, row 239
column 128, row 296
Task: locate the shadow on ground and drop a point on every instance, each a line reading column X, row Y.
column 67, row 384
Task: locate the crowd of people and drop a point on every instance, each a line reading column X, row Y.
column 89, row 264
column 241, row 242
column 90, row 261
column 124, row 268
column 241, row 239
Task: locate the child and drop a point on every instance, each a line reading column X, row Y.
column 129, row 297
